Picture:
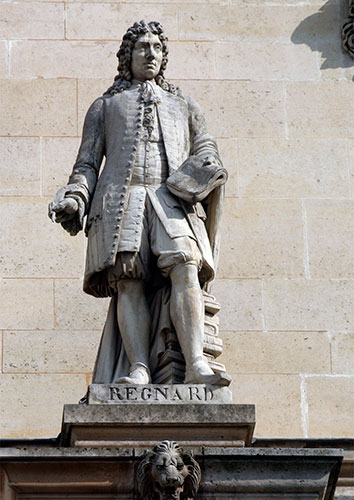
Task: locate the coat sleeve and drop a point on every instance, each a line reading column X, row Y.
column 83, row 178
column 202, row 143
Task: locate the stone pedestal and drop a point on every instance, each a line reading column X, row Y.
column 137, row 425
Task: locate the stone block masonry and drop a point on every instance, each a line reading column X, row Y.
column 277, row 92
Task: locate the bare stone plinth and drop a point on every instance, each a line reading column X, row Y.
column 158, row 394
column 229, row 473
column 136, row 425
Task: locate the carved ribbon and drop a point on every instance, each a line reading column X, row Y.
column 149, row 99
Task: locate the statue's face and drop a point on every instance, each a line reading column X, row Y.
column 146, row 57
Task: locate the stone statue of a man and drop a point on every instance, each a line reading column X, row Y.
column 141, row 238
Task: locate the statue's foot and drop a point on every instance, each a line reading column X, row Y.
column 200, row 373
column 139, row 373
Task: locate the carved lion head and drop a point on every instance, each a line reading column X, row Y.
column 167, row 473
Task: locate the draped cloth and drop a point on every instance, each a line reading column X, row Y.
column 112, row 362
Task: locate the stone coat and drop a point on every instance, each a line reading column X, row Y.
column 112, row 128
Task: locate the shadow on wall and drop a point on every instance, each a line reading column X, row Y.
column 322, row 33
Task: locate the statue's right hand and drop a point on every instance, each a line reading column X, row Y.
column 63, row 210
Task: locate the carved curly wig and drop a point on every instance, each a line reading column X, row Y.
column 122, row 80
column 152, row 471
column 348, row 32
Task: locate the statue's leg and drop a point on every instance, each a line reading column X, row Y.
column 134, row 325
column 179, row 259
column 187, row 310
column 187, row 314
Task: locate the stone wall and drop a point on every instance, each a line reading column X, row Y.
column 278, row 94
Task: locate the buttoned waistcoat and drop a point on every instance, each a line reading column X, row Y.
column 112, row 129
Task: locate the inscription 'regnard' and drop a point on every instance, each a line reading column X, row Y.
column 163, row 393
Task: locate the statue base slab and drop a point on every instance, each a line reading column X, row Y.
column 141, row 426
column 158, row 394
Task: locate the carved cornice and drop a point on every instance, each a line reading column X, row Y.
column 348, row 31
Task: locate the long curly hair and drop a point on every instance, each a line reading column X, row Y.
column 348, row 32
column 122, row 80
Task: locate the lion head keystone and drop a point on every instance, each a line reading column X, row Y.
column 168, row 473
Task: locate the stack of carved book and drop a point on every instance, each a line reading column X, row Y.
column 171, row 365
